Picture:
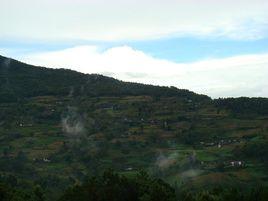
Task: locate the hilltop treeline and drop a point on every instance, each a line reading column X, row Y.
column 244, row 105
column 19, row 80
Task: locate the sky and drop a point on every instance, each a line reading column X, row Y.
column 217, row 48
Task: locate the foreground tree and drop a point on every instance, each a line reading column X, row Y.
column 114, row 187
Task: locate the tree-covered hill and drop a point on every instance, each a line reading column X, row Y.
column 244, row 105
column 19, row 80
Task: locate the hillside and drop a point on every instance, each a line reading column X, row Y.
column 18, row 79
column 57, row 127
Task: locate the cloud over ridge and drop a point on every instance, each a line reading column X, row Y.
column 244, row 75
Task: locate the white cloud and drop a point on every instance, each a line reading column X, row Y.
column 132, row 19
column 235, row 76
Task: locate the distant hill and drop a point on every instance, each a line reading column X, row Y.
column 19, row 80
column 244, row 105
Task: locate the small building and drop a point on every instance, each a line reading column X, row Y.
column 46, row 160
column 237, row 164
column 129, row 169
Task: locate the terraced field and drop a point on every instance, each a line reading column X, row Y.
column 189, row 140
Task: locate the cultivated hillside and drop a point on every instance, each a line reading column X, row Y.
column 57, row 127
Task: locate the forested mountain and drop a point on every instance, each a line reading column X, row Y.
column 60, row 131
column 18, row 79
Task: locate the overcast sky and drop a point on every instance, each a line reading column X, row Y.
column 218, row 48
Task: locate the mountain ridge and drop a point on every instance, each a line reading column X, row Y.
column 16, row 75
